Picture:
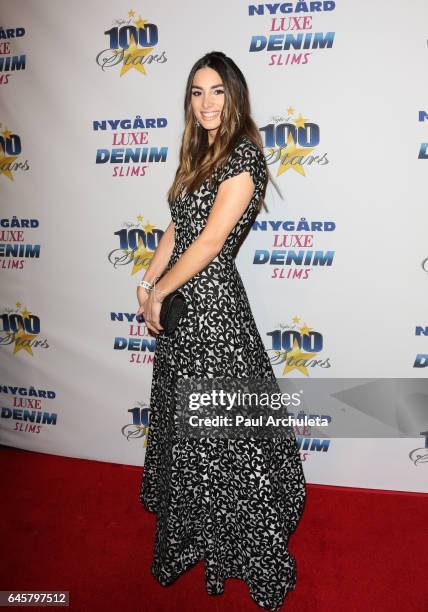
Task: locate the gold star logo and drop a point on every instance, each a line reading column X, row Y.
column 290, row 154
column 298, row 356
column 6, row 134
column 140, row 218
column 131, row 13
column 296, row 319
column 140, row 23
column 305, row 330
column 21, row 341
column 142, row 257
column 148, row 228
column 132, row 57
column 300, row 121
column 4, row 161
column 290, row 110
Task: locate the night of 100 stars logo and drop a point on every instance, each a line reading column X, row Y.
column 137, row 243
column 296, row 347
column 10, row 150
column 139, row 428
column 131, row 42
column 289, row 38
column 21, row 329
column 290, row 141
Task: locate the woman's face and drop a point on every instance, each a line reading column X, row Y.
column 208, row 99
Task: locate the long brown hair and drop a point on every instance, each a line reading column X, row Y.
column 236, row 121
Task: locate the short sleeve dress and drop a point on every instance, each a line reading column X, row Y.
column 231, row 503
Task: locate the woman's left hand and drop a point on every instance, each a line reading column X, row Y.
column 152, row 310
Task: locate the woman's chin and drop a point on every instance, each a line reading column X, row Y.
column 210, row 126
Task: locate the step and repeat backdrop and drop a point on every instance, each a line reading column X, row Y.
column 336, row 268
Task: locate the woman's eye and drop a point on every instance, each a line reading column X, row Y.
column 216, row 91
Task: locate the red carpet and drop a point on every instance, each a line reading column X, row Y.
column 76, row 525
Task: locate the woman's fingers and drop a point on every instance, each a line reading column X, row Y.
column 153, row 329
column 150, row 310
column 139, row 315
column 152, row 324
column 152, row 315
column 156, row 316
column 150, row 328
column 156, row 327
column 149, row 323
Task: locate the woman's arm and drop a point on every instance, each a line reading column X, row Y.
column 232, row 200
column 162, row 254
column 157, row 265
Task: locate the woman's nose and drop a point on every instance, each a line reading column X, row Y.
column 206, row 102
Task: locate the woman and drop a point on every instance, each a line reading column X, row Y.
column 234, row 502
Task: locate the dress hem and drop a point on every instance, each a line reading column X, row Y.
column 221, row 590
column 192, row 561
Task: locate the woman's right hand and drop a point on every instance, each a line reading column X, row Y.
column 142, row 297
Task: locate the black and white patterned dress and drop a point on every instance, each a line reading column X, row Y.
column 234, row 502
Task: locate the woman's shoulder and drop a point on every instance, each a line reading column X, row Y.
column 246, row 155
column 244, row 144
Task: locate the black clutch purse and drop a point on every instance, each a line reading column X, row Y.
column 173, row 308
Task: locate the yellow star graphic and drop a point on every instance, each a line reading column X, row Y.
column 140, row 217
column 131, row 13
column 6, row 171
column 300, row 121
column 140, row 23
column 148, row 228
column 142, row 258
column 20, row 341
column 297, row 356
column 290, row 110
column 6, row 133
column 131, row 57
column 290, row 154
column 25, row 313
column 296, row 319
column 305, row 330
column 18, row 304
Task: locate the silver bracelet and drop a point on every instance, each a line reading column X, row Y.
column 147, row 284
